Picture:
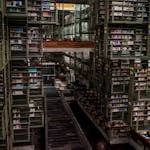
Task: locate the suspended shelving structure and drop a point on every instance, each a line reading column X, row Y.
column 121, row 67
column 26, row 23
column 5, row 114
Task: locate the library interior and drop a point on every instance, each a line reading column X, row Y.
column 74, row 74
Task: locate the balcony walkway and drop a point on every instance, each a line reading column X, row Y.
column 67, row 46
column 62, row 132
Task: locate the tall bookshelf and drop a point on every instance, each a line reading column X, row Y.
column 25, row 23
column 34, row 41
column 18, row 43
column 20, row 100
column 5, row 138
column 48, row 73
column 76, row 23
column 42, row 11
column 34, row 9
column 16, row 6
column 36, row 97
column 122, row 55
column 3, row 143
column 141, row 102
column 41, row 14
column 2, row 50
column 5, row 112
column 80, row 62
column 19, row 81
column 48, row 11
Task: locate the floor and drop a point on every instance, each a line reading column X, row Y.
column 61, row 130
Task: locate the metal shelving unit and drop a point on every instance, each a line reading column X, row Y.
column 41, row 16
column 20, row 101
column 49, row 73
column 25, row 25
column 76, row 23
column 5, row 138
column 36, row 95
column 79, row 62
column 2, row 48
column 119, row 74
column 19, row 81
column 15, row 6
column 121, row 58
column 2, row 113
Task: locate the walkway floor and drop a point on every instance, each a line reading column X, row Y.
column 61, row 131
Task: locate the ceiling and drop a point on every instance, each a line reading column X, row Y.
column 73, row 1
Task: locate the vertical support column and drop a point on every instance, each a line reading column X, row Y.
column 148, row 45
column 75, row 23
column 3, row 36
column 105, row 40
column 7, row 50
column 75, row 61
column 63, row 21
column 80, row 22
column 131, row 94
column 82, row 58
column 106, row 20
column 26, row 6
column 90, row 19
column 93, row 69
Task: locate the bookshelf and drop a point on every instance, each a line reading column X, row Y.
column 122, row 55
column 76, row 24
column 48, row 73
column 79, row 64
column 34, row 10
column 34, row 29
column 129, row 10
column 128, row 42
column 42, row 12
column 4, row 94
column 16, row 6
column 4, row 114
column 20, row 101
column 25, row 45
column 26, row 81
column 27, row 93
column 82, row 21
column 36, row 96
column 18, row 42
column 34, row 82
column 41, row 15
column 36, row 115
column 19, row 82
column 140, row 107
column 21, row 130
column 2, row 48
column 48, row 11
column 2, row 100
column 34, row 41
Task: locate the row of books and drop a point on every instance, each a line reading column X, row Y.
column 125, row 11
